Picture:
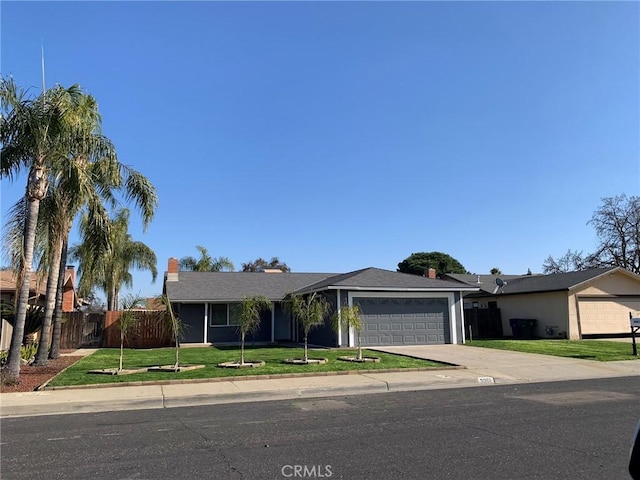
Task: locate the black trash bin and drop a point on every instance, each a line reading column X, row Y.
column 515, row 327
column 528, row 328
column 523, row 328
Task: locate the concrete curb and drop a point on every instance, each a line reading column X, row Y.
column 281, row 394
column 240, row 378
column 164, row 399
column 15, row 411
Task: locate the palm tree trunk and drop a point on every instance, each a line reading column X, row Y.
column 112, row 299
column 121, row 347
column 52, row 288
column 359, row 347
column 54, row 351
column 116, row 298
column 306, row 355
column 36, row 188
column 176, row 335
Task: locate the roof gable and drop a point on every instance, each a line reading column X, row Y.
column 379, row 279
column 553, row 282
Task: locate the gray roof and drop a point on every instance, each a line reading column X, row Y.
column 548, row 283
column 234, row 286
column 486, row 283
column 378, row 279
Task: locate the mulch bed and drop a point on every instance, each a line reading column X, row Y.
column 31, row 377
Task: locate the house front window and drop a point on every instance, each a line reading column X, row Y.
column 224, row 314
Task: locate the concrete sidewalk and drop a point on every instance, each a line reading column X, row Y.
column 482, row 366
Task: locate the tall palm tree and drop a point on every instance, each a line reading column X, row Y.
column 205, row 263
column 13, row 241
column 35, row 135
column 109, row 268
column 86, row 179
column 90, row 188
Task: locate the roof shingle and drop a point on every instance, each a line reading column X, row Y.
column 234, row 286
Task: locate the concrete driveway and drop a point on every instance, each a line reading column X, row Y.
column 506, row 366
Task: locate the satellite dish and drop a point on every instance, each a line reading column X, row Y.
column 500, row 284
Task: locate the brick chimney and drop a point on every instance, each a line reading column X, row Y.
column 430, row 273
column 172, row 269
column 68, row 293
column 71, row 271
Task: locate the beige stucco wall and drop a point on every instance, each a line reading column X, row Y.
column 606, row 316
column 604, row 304
column 549, row 309
column 616, row 283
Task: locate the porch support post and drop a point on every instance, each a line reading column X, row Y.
column 351, row 332
column 451, row 298
column 206, row 323
column 339, row 301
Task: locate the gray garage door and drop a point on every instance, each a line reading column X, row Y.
column 403, row 321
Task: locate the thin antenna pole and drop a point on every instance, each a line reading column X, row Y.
column 43, row 83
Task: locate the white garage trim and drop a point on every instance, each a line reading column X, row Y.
column 206, row 322
column 339, row 302
column 448, row 295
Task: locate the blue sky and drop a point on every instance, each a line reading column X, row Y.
column 343, row 135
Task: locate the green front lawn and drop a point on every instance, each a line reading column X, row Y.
column 601, row 350
column 210, row 356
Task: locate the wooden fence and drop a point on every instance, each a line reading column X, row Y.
column 484, row 322
column 81, row 329
column 150, row 332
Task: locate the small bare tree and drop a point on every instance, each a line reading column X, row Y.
column 308, row 311
column 250, row 311
column 572, row 261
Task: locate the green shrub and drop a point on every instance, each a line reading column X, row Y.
column 33, row 320
column 27, row 353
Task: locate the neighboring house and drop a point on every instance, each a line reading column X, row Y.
column 398, row 309
column 37, row 296
column 575, row 305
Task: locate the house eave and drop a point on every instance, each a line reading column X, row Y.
column 400, row 289
column 333, row 287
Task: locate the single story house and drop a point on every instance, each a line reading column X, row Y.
column 583, row 304
column 397, row 308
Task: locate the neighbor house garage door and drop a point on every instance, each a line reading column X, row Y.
column 607, row 315
column 403, row 321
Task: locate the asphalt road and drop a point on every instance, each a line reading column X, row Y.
column 565, row 430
